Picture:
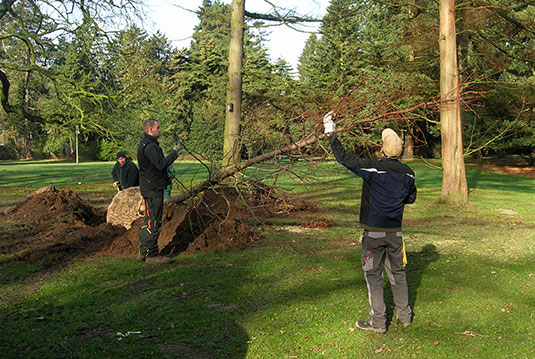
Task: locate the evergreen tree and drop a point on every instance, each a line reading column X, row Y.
column 304, row 67
column 141, row 70
column 61, row 47
column 198, row 82
column 497, row 57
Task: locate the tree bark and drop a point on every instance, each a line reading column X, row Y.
column 231, row 142
column 454, row 185
column 408, row 152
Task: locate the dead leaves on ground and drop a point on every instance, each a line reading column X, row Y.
column 320, row 223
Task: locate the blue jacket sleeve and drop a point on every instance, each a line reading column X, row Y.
column 411, row 197
column 350, row 161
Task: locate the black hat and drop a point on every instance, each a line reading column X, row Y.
column 121, row 154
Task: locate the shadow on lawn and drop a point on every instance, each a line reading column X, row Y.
column 167, row 312
column 417, row 263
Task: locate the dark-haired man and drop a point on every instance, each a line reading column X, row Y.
column 125, row 173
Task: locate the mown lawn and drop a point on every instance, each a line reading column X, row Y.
column 92, row 180
column 295, row 294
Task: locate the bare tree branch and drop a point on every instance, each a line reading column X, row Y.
column 5, row 6
column 21, row 111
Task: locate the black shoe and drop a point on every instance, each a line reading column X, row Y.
column 361, row 324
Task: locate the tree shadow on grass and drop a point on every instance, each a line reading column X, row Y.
column 167, row 312
column 417, row 263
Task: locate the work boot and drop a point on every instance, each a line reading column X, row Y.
column 405, row 324
column 140, row 258
column 361, row 324
column 158, row 260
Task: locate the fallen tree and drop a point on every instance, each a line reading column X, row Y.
column 316, row 135
column 220, row 176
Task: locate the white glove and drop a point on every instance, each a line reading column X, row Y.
column 328, row 122
column 115, row 184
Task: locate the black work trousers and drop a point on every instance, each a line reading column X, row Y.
column 152, row 226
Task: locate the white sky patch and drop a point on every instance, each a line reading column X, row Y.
column 172, row 19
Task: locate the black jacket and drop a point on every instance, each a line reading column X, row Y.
column 153, row 165
column 127, row 175
column 388, row 185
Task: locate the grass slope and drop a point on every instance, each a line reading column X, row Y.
column 297, row 293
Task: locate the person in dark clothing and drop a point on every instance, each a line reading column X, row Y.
column 387, row 186
column 153, row 179
column 125, row 173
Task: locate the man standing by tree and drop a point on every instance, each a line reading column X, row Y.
column 388, row 185
column 153, row 179
column 125, row 173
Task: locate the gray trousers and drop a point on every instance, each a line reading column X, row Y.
column 386, row 248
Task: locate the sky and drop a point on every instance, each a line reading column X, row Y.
column 175, row 19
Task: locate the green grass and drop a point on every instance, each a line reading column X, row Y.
column 92, row 180
column 297, row 293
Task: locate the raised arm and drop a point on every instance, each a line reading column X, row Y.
column 154, row 154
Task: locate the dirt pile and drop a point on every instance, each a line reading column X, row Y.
column 219, row 220
column 49, row 205
column 58, row 226
column 320, row 223
column 55, row 226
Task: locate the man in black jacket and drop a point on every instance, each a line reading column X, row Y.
column 153, row 179
column 125, row 173
column 387, row 186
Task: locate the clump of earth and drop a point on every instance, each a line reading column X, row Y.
column 57, row 226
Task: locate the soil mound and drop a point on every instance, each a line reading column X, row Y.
column 216, row 221
column 57, row 226
column 48, row 205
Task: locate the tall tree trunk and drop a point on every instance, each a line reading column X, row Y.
column 26, row 106
column 408, row 152
column 231, row 143
column 454, row 186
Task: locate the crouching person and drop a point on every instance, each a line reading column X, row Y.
column 125, row 173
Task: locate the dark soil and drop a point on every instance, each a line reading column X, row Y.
column 53, row 206
column 221, row 219
column 58, row 226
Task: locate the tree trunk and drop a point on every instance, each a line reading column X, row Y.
column 26, row 106
column 408, row 152
column 454, row 186
column 231, row 142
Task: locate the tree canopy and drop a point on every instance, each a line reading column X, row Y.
column 66, row 65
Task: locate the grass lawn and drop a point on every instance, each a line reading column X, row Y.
column 295, row 294
column 92, row 180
